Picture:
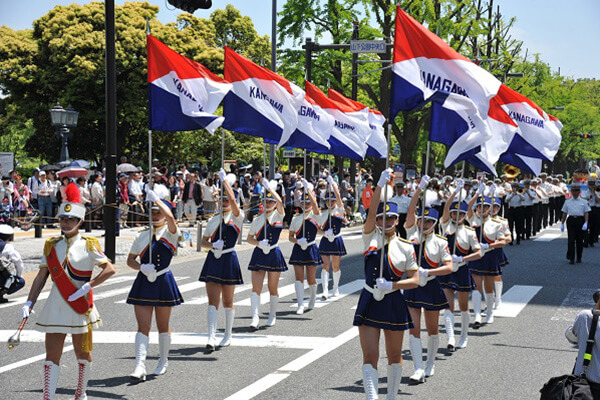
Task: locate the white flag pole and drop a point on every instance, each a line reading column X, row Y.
column 423, row 207
column 385, row 189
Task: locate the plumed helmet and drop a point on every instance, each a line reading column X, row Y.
column 72, row 208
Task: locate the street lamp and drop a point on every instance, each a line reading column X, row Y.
column 64, row 120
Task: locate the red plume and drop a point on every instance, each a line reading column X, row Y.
column 72, row 193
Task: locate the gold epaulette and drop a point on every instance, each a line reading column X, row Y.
column 496, row 220
column 92, row 243
column 469, row 228
column 50, row 243
column 442, row 237
column 143, row 229
column 404, row 240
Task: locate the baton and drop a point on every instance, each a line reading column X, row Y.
column 15, row 339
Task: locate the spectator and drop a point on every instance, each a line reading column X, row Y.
column 44, row 190
column 7, row 190
column 54, row 193
column 123, row 200
column 136, row 198
column 32, row 185
column 97, row 197
column 192, row 198
column 255, row 195
column 367, row 195
column 175, row 191
column 64, row 181
column 209, row 197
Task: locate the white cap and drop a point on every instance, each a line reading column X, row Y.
column 6, row 229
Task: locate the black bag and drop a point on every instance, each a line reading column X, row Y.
column 573, row 387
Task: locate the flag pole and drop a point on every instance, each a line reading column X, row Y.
column 385, row 189
column 462, row 173
column 265, row 190
column 423, row 207
column 222, row 184
column 150, row 186
column 304, row 192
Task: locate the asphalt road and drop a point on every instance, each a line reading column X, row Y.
column 317, row 355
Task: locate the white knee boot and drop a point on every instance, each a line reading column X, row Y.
column 394, row 376
column 498, row 286
column 313, row 296
column 449, row 322
column 229, row 314
column 416, row 351
column 83, row 371
column 164, row 345
column 255, row 306
column 370, row 382
column 50, row 379
column 273, row 303
column 299, row 296
column 336, row 283
column 433, row 344
column 477, row 308
column 213, row 317
column 141, row 350
column 464, row 329
column 489, row 301
column 325, row 283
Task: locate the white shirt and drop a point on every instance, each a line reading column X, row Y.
column 432, row 198
column 32, row 184
column 44, row 188
column 436, row 248
column 529, row 200
column 401, row 255
column 514, row 200
column 97, row 192
column 135, row 187
column 465, row 239
column 402, row 202
column 576, row 207
column 13, row 255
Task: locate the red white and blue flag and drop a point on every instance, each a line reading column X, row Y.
column 183, row 94
column 261, row 103
column 376, row 142
column 314, row 126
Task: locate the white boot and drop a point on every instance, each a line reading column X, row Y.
column 213, row 317
column 164, row 344
column 336, row 283
column 498, row 294
column 433, row 344
column 83, row 370
column 273, row 303
column 394, row 376
column 416, row 351
column 477, row 309
column 51, row 371
column 229, row 314
column 313, row 296
column 141, row 350
column 299, row 296
column 489, row 301
column 325, row 283
column 464, row 329
column 370, row 382
column 255, row 305
column 449, row 322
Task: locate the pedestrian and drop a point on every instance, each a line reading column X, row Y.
column 44, row 190
column 577, row 210
column 154, row 290
column 255, row 193
column 32, row 185
column 97, row 196
column 210, row 195
column 221, row 270
column 123, row 199
column 84, row 192
column 135, row 191
column 366, row 196
column 192, row 198
column 381, row 305
column 267, row 258
column 402, row 201
column 175, row 192
column 54, row 194
column 70, row 260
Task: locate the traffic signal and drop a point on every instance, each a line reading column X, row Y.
column 191, row 5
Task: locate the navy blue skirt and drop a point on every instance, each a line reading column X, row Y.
column 431, row 297
column 272, row 262
column 163, row 292
column 488, row 265
column 309, row 257
column 502, row 260
column 335, row 248
column 459, row 281
column 390, row 313
column 225, row 270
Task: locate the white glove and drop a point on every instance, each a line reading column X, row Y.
column 264, row 246
column 385, row 177
column 484, row 246
column 424, row 182
column 562, row 227
column 218, row 245
column 383, row 284
column 303, row 243
column 147, row 268
column 459, row 185
column 457, row 259
column 330, row 180
column 82, row 291
column 222, row 175
column 26, row 310
column 265, row 183
column 423, row 274
column 584, row 227
column 481, row 189
column 492, row 190
column 329, row 232
column 304, row 184
column 151, row 195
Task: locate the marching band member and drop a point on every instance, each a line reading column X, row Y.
column 436, row 261
column 305, row 253
column 577, row 209
column 381, row 305
column 221, row 270
column 485, row 269
column 69, row 259
column 331, row 246
column 502, row 259
column 154, row 290
column 516, row 218
column 594, row 217
column 463, row 240
column 266, row 257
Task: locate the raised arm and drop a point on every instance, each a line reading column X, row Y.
column 385, row 177
column 311, row 196
column 411, row 214
column 280, row 208
column 235, row 208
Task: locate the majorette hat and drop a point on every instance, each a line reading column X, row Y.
column 73, row 207
column 269, row 197
column 391, row 209
column 330, row 196
column 166, row 202
column 428, row 213
column 306, row 198
column 463, row 207
column 497, row 201
column 485, row 200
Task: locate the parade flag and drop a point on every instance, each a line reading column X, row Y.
column 527, row 164
column 376, row 142
column 351, row 128
column 260, row 103
column 183, row 94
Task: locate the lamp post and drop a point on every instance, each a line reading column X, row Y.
column 64, row 120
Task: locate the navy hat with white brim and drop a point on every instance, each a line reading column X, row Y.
column 224, row 195
column 428, row 213
column 269, row 197
column 391, row 209
column 167, row 203
column 330, row 196
column 485, row 200
column 497, row 201
column 463, row 207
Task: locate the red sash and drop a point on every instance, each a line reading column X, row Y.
column 65, row 285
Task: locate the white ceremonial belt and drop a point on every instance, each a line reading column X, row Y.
column 378, row 294
column 151, row 277
column 332, row 238
column 219, row 253
column 307, row 245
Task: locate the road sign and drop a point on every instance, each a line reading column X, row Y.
column 398, row 173
column 289, row 153
column 367, row 46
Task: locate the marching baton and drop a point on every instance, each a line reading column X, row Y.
column 15, row 339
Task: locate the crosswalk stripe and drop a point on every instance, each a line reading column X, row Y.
column 183, row 288
column 204, row 299
column 283, row 291
column 345, row 290
column 515, row 300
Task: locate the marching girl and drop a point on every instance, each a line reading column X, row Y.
column 303, row 232
column 267, row 258
column 502, row 259
column 332, row 246
column 487, row 267
column 464, row 245
column 69, row 259
column 221, row 270
column 381, row 305
column 154, row 290
column 436, row 261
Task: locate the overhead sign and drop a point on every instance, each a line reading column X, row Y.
column 367, row 46
column 289, row 153
column 398, row 173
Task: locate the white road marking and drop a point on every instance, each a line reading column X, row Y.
column 284, row 291
column 548, row 237
column 345, row 290
column 204, row 299
column 27, row 360
column 274, row 378
column 578, row 299
column 515, row 300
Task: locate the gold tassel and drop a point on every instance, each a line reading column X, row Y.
column 87, row 345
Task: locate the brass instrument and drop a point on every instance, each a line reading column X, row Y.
column 511, row 172
column 521, row 190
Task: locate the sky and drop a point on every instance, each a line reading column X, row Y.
column 566, row 33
